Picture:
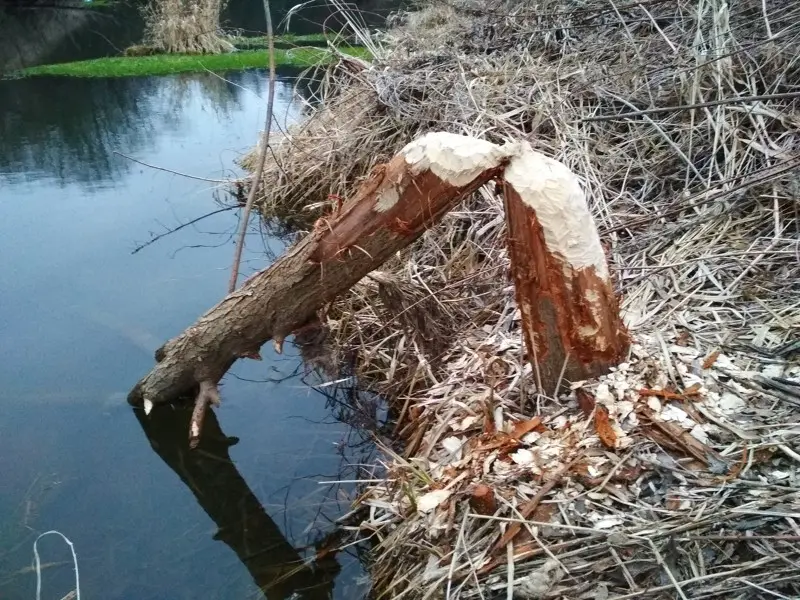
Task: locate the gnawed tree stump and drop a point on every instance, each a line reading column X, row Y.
column 572, row 325
column 393, row 207
column 571, row 320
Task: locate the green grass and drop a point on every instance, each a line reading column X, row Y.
column 165, row 64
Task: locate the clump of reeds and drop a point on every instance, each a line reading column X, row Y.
column 682, row 120
column 719, row 145
column 185, row 27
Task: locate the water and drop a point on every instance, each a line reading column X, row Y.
column 50, row 33
column 80, row 317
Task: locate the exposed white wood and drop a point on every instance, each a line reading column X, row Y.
column 455, row 159
column 552, row 190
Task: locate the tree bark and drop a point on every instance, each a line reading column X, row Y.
column 572, row 325
column 392, row 208
column 571, row 321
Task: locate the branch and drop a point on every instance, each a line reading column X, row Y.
column 262, row 156
column 722, row 102
column 178, row 228
column 208, row 394
column 141, row 162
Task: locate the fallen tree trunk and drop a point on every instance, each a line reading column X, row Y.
column 393, row 207
column 570, row 315
column 571, row 321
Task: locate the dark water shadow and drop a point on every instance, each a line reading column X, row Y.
column 277, row 568
column 80, row 317
column 36, row 32
column 39, row 32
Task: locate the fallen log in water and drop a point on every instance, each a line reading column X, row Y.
column 572, row 325
column 393, row 207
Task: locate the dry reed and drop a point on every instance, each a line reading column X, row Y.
column 185, row 27
column 675, row 476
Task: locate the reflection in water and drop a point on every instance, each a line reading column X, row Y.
column 35, row 33
column 208, row 471
column 75, row 140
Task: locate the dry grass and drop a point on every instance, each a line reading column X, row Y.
column 682, row 119
column 185, row 27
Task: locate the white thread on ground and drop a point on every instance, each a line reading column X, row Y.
column 455, row 159
column 554, row 192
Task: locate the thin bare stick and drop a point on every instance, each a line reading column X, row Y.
column 721, row 102
column 262, row 156
column 154, row 239
column 141, row 162
column 667, row 570
column 510, row 574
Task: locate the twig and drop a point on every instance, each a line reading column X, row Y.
column 698, row 579
column 262, row 157
column 723, row 101
column 208, row 394
column 141, row 162
column 179, row 227
column 528, row 509
column 510, row 574
column 666, row 568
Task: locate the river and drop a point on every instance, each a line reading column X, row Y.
column 80, row 317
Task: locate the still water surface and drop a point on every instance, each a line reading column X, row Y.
column 80, row 317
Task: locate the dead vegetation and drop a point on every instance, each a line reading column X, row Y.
column 675, row 476
column 184, row 27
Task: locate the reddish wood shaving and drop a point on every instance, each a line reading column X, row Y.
column 585, row 400
column 711, row 359
column 603, row 426
column 523, row 427
column 482, row 500
column 667, row 395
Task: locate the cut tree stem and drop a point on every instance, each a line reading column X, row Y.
column 569, row 311
column 572, row 325
column 393, row 207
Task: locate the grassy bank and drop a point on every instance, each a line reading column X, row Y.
column 165, row 64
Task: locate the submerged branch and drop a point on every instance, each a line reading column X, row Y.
column 154, row 239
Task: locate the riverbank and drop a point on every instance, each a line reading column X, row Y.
column 166, row 64
column 290, row 51
column 677, row 473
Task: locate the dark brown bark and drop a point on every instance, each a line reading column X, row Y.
column 392, row 208
column 210, row 474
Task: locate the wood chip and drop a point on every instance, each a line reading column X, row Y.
column 603, row 426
